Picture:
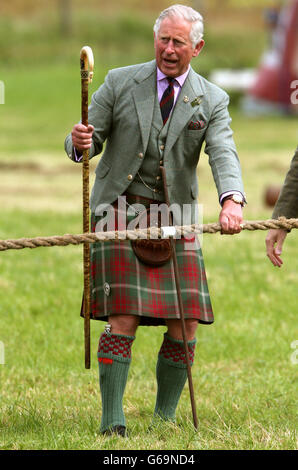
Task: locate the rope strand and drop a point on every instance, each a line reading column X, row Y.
column 69, row 239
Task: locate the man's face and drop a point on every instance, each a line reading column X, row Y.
column 173, row 47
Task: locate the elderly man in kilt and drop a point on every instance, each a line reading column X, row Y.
column 150, row 115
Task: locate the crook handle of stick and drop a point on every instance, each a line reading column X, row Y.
column 87, row 64
column 181, row 310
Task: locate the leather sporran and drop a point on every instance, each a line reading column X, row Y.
column 153, row 252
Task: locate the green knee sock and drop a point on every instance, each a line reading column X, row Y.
column 171, row 375
column 114, row 357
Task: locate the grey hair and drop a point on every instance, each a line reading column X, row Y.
column 187, row 14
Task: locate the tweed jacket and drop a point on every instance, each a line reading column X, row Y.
column 287, row 203
column 121, row 112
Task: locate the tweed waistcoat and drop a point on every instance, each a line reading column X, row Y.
column 149, row 171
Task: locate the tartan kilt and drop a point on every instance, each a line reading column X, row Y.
column 121, row 284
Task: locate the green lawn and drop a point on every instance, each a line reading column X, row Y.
column 245, row 383
column 244, row 375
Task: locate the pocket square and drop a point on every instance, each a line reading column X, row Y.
column 196, row 125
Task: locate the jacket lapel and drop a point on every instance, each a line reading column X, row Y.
column 144, row 97
column 191, row 92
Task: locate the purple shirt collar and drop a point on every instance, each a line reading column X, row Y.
column 181, row 79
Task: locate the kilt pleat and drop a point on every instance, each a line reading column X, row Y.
column 121, row 284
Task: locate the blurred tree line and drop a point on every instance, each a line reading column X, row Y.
column 120, row 31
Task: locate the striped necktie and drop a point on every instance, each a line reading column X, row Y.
column 167, row 100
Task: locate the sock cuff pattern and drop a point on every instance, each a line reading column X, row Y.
column 172, row 351
column 114, row 346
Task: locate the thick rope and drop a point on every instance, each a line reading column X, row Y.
column 68, row 239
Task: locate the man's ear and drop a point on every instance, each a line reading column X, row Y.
column 198, row 48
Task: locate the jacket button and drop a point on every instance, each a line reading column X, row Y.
column 129, row 177
column 140, row 155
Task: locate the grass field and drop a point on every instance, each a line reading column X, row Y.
column 245, row 375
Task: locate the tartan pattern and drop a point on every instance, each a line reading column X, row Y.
column 121, row 284
column 173, row 351
column 114, row 346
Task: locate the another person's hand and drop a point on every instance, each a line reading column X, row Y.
column 274, row 242
column 230, row 217
column 82, row 137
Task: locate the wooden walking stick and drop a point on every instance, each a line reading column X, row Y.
column 181, row 310
column 87, row 64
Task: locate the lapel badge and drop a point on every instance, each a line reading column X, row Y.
column 196, row 101
column 186, row 99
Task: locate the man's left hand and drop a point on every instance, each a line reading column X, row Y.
column 230, row 217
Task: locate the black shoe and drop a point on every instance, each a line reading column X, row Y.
column 118, row 429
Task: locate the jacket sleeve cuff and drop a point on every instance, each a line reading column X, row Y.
column 229, row 193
